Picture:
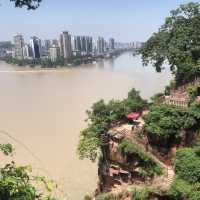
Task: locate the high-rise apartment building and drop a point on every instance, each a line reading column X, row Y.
column 18, row 46
column 100, row 45
column 36, row 48
column 54, row 52
column 46, row 47
column 77, row 43
column 89, row 45
column 55, row 42
column 27, row 53
column 112, row 44
column 82, row 44
column 65, row 45
column 47, row 44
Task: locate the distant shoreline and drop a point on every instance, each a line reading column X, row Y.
column 14, row 68
column 27, row 69
column 47, row 64
column 11, row 68
column 33, row 71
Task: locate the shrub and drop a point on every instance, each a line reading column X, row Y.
column 148, row 165
column 187, row 164
column 87, row 197
column 143, row 194
column 164, row 123
column 17, row 183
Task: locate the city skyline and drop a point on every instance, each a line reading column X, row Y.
column 95, row 38
column 123, row 21
column 65, row 46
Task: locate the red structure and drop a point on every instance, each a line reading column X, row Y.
column 133, row 116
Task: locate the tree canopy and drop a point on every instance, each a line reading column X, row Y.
column 101, row 117
column 187, row 168
column 187, row 164
column 30, row 4
column 177, row 42
column 165, row 122
column 181, row 189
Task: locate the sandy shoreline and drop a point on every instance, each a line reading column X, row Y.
column 37, row 69
column 33, row 71
column 27, row 69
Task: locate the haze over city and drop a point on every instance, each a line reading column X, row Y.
column 123, row 20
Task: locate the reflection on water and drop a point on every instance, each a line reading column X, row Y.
column 46, row 111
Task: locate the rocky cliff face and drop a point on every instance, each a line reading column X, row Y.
column 128, row 162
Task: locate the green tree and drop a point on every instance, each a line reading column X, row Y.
column 30, row 4
column 17, row 183
column 142, row 194
column 101, row 117
column 177, row 42
column 179, row 190
column 165, row 123
column 187, row 164
column 187, row 168
column 157, row 99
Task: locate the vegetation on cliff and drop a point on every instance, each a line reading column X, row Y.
column 101, row 117
column 166, row 123
column 187, row 168
column 187, row 164
column 148, row 167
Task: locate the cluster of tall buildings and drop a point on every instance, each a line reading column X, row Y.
column 65, row 47
column 82, row 45
column 23, row 50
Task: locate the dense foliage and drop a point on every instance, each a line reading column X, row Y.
column 17, row 183
column 187, row 164
column 193, row 91
column 167, row 123
column 149, row 167
column 133, row 194
column 157, row 99
column 187, row 168
column 181, row 189
column 46, row 62
column 113, row 196
column 101, row 117
column 30, row 4
column 7, row 149
column 177, row 42
column 142, row 194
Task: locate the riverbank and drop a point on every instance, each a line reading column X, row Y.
column 46, row 62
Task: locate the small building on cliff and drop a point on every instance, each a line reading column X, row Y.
column 178, row 98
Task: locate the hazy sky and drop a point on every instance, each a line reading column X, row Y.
column 125, row 20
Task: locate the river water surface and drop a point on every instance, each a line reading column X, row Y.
column 45, row 110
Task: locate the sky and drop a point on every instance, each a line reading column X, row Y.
column 124, row 20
